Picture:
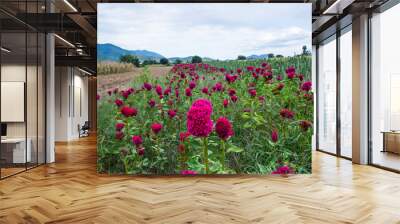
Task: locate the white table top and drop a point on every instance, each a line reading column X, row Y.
column 13, row 140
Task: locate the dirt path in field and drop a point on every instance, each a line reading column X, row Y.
column 121, row 80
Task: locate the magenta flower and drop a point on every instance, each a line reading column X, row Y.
column 128, row 111
column 204, row 90
column 137, row 140
column 147, row 86
column 274, row 136
column 305, row 125
column 140, row 151
column 283, row 170
column 118, row 102
column 252, row 92
column 156, row 127
column 223, row 127
column 218, row 86
column 119, row 126
column 231, row 92
column 279, row 77
column 192, row 85
column 280, row 86
column 286, row 113
column 291, row 72
column 159, row 90
column 167, row 91
column 188, row 172
column 119, row 135
column 199, row 121
column 188, row 92
column 234, row 98
column 226, row 102
column 97, row 96
column 306, row 86
column 171, row 113
column 183, row 136
column 152, row 103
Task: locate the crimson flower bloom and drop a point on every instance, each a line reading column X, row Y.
column 152, row 103
column 147, row 86
column 286, row 113
column 264, row 64
column 300, row 76
column 188, row 92
column 188, row 172
column 280, row 86
column 159, row 90
column 252, row 92
column 250, row 68
column 118, row 102
column 279, row 77
column 291, row 72
column 283, row 170
column 192, row 85
column 119, row 126
column 218, row 86
column 274, row 136
column 223, row 127
column 226, row 102
column 239, row 70
column 199, row 121
column 119, row 135
column 306, row 86
column 126, row 94
column 109, row 92
column 156, row 127
column 128, row 111
column 231, row 92
column 305, row 125
column 222, row 69
column 183, row 136
column 137, row 140
column 171, row 113
column 205, row 90
column 140, row 151
column 167, row 91
column 234, row 98
column 97, row 96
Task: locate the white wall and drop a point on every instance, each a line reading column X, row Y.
column 70, row 83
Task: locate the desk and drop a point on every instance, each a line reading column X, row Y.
column 16, row 148
column 391, row 141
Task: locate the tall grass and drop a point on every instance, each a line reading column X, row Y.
column 110, row 67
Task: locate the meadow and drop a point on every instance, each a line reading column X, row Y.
column 219, row 117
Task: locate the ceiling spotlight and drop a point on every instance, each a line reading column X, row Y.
column 70, row 5
column 5, row 50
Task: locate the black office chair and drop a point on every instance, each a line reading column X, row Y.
column 84, row 130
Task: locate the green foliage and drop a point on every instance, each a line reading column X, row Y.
column 130, row 59
column 241, row 57
column 178, row 61
column 149, row 62
column 250, row 150
column 196, row 59
column 164, row 61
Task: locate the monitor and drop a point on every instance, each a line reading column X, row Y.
column 3, row 129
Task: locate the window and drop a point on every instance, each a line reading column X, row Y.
column 327, row 96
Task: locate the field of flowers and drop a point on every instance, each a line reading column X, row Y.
column 224, row 117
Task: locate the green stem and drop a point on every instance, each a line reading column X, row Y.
column 223, row 154
column 205, row 151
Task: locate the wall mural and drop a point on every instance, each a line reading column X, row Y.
column 204, row 89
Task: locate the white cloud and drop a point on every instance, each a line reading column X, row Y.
column 212, row 30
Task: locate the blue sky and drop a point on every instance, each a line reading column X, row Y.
column 214, row 30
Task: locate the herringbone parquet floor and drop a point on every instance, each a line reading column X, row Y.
column 70, row 191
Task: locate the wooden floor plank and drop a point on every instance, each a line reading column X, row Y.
column 70, row 191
